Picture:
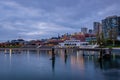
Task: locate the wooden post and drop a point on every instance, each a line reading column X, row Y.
column 53, row 53
column 101, row 55
column 65, row 56
column 83, row 53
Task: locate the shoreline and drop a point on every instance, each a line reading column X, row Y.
column 50, row 48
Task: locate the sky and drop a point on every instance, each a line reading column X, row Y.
column 40, row 19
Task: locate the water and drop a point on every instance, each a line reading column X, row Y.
column 37, row 65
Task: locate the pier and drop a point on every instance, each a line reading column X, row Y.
column 102, row 51
column 2, row 49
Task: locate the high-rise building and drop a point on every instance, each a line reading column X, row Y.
column 118, row 37
column 97, row 27
column 111, row 27
column 84, row 29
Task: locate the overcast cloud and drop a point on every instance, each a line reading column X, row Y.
column 37, row 19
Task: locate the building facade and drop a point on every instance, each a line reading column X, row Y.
column 90, row 31
column 111, row 27
column 97, row 28
column 84, row 29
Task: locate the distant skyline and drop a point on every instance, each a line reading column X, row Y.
column 37, row 19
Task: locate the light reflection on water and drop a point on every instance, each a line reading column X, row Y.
column 36, row 65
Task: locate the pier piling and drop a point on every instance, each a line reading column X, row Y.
column 65, row 56
column 53, row 53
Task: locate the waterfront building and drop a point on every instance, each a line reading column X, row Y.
column 90, row 39
column 33, row 43
column 18, row 42
column 76, row 43
column 79, row 36
column 111, row 27
column 65, row 36
column 52, row 42
column 72, row 43
column 84, row 29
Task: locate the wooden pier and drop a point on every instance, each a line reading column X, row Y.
column 2, row 49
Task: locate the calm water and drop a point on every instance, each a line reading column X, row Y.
column 36, row 65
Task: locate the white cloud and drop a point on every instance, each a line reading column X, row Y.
column 13, row 9
column 108, row 10
column 44, row 28
column 18, row 26
column 31, row 33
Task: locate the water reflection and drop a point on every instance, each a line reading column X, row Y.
column 5, row 51
column 81, row 60
column 28, row 55
column 53, row 59
column 109, row 64
column 69, row 64
column 10, row 53
column 77, row 60
column 65, row 56
column 53, row 64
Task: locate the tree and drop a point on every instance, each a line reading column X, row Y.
column 100, row 39
column 113, row 35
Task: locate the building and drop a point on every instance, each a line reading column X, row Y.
column 84, row 29
column 118, row 37
column 90, row 31
column 90, row 39
column 111, row 27
column 72, row 43
column 18, row 42
column 78, row 36
column 97, row 28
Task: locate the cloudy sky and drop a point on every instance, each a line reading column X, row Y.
column 37, row 19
